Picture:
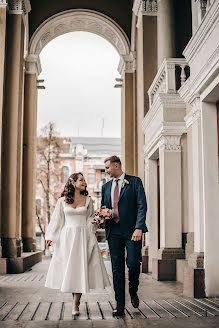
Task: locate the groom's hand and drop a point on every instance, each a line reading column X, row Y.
column 137, row 234
column 94, row 220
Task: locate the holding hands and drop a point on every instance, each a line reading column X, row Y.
column 101, row 215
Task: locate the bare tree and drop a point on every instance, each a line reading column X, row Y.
column 49, row 146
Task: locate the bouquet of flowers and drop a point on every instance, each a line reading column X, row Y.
column 102, row 214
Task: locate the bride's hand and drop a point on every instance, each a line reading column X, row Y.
column 48, row 242
column 94, row 220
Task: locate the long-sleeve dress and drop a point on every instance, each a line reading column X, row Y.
column 76, row 265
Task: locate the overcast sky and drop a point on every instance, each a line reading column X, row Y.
column 79, row 70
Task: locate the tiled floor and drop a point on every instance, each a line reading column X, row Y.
column 25, row 302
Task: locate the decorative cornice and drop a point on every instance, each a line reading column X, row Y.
column 79, row 20
column 170, row 143
column 144, row 8
column 163, row 100
column 127, row 64
column 19, row 6
column 32, row 65
column 194, row 114
column 3, row 3
column 203, row 31
column 196, row 85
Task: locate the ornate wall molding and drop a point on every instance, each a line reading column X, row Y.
column 19, row 6
column 79, row 20
column 32, row 65
column 204, row 30
column 127, row 64
column 3, row 3
column 194, row 114
column 170, row 143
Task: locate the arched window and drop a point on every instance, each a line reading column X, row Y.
column 91, row 176
column 64, row 174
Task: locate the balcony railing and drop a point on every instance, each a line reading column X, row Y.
column 171, row 75
column 204, row 5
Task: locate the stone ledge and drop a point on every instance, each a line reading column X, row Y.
column 20, row 264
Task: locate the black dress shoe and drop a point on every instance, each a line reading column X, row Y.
column 135, row 300
column 119, row 311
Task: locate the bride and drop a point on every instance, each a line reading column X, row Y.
column 76, row 266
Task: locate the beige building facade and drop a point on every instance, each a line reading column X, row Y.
column 169, row 123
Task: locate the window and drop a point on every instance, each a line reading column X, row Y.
column 64, row 174
column 91, row 176
column 103, row 176
column 38, row 206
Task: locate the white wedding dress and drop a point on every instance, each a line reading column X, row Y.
column 76, row 265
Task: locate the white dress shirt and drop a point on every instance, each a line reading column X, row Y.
column 120, row 182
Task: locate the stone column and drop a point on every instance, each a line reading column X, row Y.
column 164, row 267
column 128, row 116
column 194, row 273
column 3, row 6
column 29, row 153
column 146, row 69
column 165, row 30
column 152, row 212
column 194, row 119
column 211, row 196
column 15, row 36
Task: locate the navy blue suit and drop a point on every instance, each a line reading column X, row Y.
column 132, row 208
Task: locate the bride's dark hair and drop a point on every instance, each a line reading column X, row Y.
column 69, row 189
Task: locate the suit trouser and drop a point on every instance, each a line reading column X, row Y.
column 117, row 245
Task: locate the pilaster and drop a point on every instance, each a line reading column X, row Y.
column 165, row 30
column 32, row 65
column 11, row 241
column 3, row 8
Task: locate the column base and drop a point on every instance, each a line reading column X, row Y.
column 194, row 276
column 29, row 244
column 194, row 282
column 196, row 260
column 164, row 270
column 188, row 243
column 145, row 257
column 19, row 247
column 20, row 264
column 164, row 266
column 170, row 253
column 9, row 247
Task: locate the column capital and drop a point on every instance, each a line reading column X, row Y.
column 32, row 64
column 127, row 63
column 19, row 6
column 194, row 114
column 3, row 3
column 170, row 143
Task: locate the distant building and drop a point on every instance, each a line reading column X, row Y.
column 79, row 154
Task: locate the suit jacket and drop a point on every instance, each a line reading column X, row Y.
column 132, row 206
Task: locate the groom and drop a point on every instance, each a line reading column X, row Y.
column 125, row 195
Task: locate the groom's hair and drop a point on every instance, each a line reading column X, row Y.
column 113, row 159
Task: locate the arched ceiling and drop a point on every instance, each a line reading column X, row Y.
column 119, row 10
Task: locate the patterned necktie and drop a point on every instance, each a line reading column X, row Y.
column 115, row 205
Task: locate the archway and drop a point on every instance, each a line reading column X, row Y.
column 80, row 20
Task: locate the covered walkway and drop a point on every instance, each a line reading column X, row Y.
column 25, row 302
